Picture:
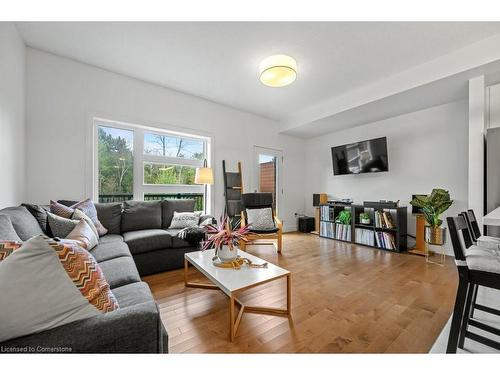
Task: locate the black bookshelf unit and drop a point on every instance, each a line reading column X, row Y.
column 387, row 229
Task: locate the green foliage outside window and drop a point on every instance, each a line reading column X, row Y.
column 168, row 174
column 115, row 164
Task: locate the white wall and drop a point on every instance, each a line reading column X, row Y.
column 426, row 149
column 476, row 129
column 62, row 96
column 12, row 101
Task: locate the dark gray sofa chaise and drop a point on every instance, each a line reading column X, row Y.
column 138, row 243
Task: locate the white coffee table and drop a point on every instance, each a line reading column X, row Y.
column 233, row 281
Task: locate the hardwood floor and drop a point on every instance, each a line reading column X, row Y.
column 345, row 299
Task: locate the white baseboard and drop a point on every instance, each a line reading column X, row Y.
column 289, row 228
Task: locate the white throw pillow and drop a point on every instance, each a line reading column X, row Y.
column 183, row 220
column 79, row 214
column 83, row 233
column 260, row 218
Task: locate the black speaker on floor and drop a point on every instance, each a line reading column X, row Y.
column 306, row 224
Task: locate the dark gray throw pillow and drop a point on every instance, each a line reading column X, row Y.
column 40, row 215
column 7, row 231
column 61, row 226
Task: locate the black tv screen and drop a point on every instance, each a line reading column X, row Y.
column 361, row 157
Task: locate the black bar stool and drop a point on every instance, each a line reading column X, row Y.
column 485, row 241
column 477, row 266
column 489, row 242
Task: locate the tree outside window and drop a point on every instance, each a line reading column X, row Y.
column 116, row 159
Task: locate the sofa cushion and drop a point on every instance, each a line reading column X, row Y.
column 75, row 290
column 110, row 215
column 260, row 218
column 110, row 250
column 483, row 259
column 169, row 206
column 120, row 271
column 110, row 238
column 142, row 241
column 133, row 294
column 23, row 222
column 176, row 241
column 139, row 215
column 7, row 231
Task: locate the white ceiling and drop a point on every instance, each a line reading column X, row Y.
column 219, row 61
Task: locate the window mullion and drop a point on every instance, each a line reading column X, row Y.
column 157, row 159
column 138, row 163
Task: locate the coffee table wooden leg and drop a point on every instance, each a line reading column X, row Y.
column 231, row 318
column 186, row 265
column 289, row 293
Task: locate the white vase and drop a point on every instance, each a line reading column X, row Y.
column 225, row 254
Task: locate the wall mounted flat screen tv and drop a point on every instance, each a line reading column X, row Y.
column 361, row 157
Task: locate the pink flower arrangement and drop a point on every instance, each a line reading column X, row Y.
column 223, row 234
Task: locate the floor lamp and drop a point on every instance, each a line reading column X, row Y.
column 204, row 175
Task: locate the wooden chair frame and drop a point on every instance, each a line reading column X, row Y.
column 253, row 237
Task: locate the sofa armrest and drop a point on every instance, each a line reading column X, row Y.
column 133, row 329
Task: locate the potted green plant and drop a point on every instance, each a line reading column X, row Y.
column 433, row 206
column 344, row 217
column 364, row 218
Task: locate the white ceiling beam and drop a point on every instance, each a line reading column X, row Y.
column 473, row 56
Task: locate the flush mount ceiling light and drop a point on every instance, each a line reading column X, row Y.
column 278, row 70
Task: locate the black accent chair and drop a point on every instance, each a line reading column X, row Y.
column 477, row 266
column 261, row 200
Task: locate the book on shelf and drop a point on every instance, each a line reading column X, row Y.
column 385, row 240
column 327, row 229
column 343, row 232
column 326, row 214
column 383, row 219
column 365, row 237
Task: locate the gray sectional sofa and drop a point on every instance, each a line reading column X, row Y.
column 138, row 243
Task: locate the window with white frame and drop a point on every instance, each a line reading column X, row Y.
column 144, row 163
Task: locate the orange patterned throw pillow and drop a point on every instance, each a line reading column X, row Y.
column 47, row 283
column 86, row 275
column 8, row 247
